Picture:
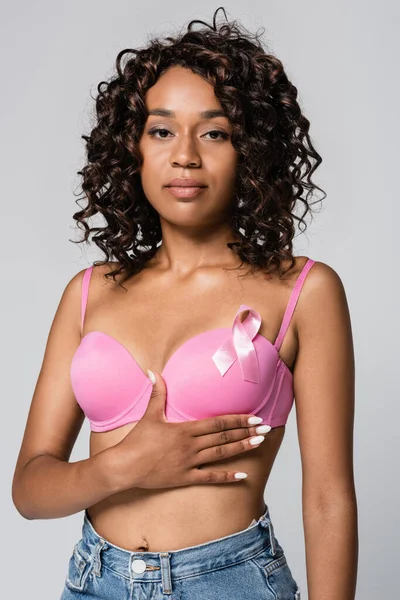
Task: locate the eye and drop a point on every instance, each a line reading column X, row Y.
column 153, row 133
column 223, row 135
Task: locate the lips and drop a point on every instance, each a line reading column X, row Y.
column 186, row 191
column 185, row 182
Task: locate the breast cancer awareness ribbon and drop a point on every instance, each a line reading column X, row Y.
column 239, row 346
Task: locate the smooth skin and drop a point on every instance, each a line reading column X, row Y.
column 138, row 495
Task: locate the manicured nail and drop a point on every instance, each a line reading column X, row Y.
column 254, row 420
column 256, row 440
column 240, row 475
column 152, row 377
column 263, row 429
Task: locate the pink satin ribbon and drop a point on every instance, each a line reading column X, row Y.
column 240, row 346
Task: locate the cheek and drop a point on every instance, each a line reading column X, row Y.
column 227, row 161
column 152, row 155
column 150, row 186
column 227, row 173
column 152, row 161
column 151, row 172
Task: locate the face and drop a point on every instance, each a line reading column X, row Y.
column 187, row 136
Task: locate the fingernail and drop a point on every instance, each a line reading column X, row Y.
column 263, row 429
column 256, row 440
column 240, row 475
column 254, row 420
column 152, row 377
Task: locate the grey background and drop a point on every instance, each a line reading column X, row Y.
column 343, row 57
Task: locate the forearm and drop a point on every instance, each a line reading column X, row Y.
column 49, row 488
column 331, row 540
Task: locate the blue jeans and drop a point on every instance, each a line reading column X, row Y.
column 247, row 565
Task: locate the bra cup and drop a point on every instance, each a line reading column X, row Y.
column 197, row 390
column 104, row 378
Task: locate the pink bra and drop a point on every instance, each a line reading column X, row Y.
column 229, row 370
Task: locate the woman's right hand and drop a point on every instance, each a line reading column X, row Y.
column 160, row 454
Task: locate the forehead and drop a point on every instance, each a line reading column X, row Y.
column 181, row 90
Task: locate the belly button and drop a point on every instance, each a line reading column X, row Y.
column 144, row 547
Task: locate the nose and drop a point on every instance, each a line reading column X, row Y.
column 184, row 153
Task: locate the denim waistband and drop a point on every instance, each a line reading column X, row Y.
column 185, row 562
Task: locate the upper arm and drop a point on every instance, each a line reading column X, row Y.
column 324, row 388
column 54, row 418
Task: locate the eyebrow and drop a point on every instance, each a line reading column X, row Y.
column 206, row 114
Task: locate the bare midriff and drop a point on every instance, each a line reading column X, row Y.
column 177, row 517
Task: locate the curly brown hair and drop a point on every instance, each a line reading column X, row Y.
column 276, row 157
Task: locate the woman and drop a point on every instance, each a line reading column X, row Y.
column 184, row 352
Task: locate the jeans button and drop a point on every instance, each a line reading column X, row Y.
column 138, row 565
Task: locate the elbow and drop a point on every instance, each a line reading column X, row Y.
column 18, row 496
column 332, row 504
column 21, row 508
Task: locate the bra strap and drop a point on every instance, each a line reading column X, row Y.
column 292, row 303
column 84, row 295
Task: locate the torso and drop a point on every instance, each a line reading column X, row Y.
column 152, row 319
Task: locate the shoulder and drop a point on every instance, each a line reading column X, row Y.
column 322, row 297
column 321, row 282
column 70, row 306
column 320, row 273
column 73, row 288
column 320, row 278
column 98, row 273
